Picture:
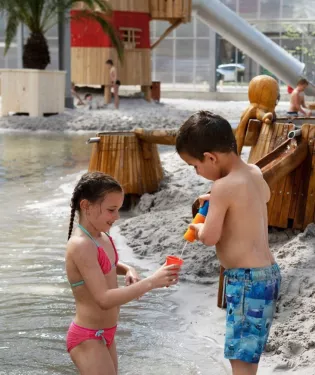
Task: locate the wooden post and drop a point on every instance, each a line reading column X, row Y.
column 107, row 94
column 221, row 292
column 131, row 161
column 147, row 92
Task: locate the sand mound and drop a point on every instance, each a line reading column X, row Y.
column 133, row 112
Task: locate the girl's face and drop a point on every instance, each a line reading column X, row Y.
column 103, row 214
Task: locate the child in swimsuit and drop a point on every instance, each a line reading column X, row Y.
column 115, row 82
column 92, row 266
column 237, row 224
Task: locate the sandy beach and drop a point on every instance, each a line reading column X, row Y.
column 133, row 112
column 160, row 220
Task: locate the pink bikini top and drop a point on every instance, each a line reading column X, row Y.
column 102, row 257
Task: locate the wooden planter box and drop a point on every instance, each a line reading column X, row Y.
column 33, row 92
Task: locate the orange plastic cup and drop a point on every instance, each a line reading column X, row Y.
column 170, row 259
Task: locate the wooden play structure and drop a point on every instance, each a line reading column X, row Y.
column 134, row 163
column 91, row 48
column 284, row 150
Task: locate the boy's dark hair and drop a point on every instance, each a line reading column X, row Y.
column 92, row 186
column 205, row 132
column 88, row 95
column 302, row 81
column 110, row 62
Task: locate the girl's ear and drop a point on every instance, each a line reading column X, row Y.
column 84, row 204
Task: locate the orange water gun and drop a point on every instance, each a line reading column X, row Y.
column 200, row 218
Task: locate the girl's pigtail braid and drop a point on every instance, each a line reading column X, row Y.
column 71, row 221
column 73, row 206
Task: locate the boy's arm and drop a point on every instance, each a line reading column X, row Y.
column 210, row 232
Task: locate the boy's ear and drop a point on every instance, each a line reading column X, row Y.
column 210, row 156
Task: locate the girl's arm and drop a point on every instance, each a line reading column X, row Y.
column 131, row 275
column 122, row 268
column 85, row 258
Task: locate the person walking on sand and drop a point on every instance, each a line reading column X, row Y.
column 297, row 100
column 92, row 266
column 237, row 225
column 115, row 83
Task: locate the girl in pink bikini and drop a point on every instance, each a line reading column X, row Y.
column 92, row 266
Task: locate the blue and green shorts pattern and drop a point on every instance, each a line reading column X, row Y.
column 251, row 296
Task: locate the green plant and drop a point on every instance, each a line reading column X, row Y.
column 302, row 50
column 41, row 15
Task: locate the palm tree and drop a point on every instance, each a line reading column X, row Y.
column 41, row 15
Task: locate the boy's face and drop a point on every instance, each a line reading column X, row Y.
column 302, row 87
column 207, row 168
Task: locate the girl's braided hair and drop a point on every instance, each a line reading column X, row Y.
column 91, row 186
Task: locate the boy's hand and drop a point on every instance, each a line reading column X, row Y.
column 197, row 228
column 199, row 203
column 203, row 198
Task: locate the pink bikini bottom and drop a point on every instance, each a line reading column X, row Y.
column 77, row 334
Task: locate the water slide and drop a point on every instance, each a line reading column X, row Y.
column 252, row 42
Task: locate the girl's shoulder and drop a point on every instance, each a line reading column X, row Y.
column 80, row 246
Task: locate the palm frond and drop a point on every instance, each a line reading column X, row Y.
column 11, row 30
column 95, row 5
column 107, row 27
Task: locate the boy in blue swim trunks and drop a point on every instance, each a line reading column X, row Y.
column 237, row 224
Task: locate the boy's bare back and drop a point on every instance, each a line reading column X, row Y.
column 244, row 239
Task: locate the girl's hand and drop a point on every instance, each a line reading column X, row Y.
column 131, row 277
column 165, row 276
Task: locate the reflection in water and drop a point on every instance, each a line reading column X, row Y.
column 37, row 175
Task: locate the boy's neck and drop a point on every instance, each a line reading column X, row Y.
column 230, row 163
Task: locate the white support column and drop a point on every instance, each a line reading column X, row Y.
column 20, row 46
column 64, row 50
column 194, row 20
column 213, row 60
column 174, row 58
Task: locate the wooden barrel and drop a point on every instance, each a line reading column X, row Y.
column 132, row 162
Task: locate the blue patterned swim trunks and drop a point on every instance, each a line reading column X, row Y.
column 251, row 296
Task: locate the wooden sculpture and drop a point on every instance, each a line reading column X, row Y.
column 263, row 94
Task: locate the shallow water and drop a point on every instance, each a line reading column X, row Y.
column 160, row 334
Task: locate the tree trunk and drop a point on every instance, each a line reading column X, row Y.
column 36, row 52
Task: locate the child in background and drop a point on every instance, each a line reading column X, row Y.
column 114, row 81
column 297, row 100
column 75, row 94
column 237, row 225
column 92, row 266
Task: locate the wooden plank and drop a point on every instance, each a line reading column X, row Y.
column 276, row 188
column 166, row 32
column 259, row 152
column 301, row 206
column 310, row 198
column 297, row 180
column 169, row 8
column 94, row 157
